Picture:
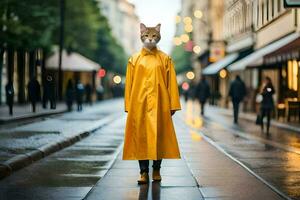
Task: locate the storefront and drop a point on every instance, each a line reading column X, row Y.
column 74, row 67
column 279, row 61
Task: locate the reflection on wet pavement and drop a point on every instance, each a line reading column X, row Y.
column 273, row 157
column 67, row 174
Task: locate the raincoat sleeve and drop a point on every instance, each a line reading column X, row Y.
column 172, row 86
column 128, row 84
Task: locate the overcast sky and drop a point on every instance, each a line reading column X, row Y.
column 152, row 12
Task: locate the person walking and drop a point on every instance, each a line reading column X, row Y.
column 34, row 92
column 70, row 95
column 79, row 95
column 100, row 92
column 202, row 93
column 237, row 92
column 49, row 93
column 88, row 93
column 10, row 92
column 267, row 103
column 151, row 98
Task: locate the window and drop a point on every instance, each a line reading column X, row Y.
column 293, row 75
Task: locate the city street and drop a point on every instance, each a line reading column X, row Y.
column 218, row 160
column 150, row 100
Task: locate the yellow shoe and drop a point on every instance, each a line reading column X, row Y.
column 156, row 175
column 144, row 178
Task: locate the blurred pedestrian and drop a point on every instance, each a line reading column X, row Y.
column 202, row 93
column 79, row 95
column 34, row 92
column 70, row 95
column 9, row 89
column 267, row 103
column 49, row 93
column 88, row 94
column 192, row 91
column 237, row 92
column 100, row 92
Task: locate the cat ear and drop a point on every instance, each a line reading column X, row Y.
column 157, row 27
column 143, row 27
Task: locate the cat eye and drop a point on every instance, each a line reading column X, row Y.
column 146, row 35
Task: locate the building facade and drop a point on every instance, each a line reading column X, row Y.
column 252, row 39
column 123, row 22
column 272, row 32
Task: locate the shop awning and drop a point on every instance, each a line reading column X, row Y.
column 217, row 66
column 256, row 58
column 72, row 62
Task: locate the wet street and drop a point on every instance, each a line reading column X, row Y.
column 275, row 158
column 73, row 171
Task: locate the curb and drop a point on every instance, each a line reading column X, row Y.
column 20, row 118
column 23, row 160
column 274, row 123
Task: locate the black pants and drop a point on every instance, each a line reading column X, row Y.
column 266, row 112
column 79, row 106
column 33, row 104
column 144, row 165
column 202, row 103
column 10, row 106
column 236, row 105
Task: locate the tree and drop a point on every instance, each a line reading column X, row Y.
column 181, row 58
column 27, row 24
column 34, row 24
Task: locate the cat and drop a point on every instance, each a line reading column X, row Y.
column 150, row 36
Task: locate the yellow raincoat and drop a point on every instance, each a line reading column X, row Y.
column 151, row 92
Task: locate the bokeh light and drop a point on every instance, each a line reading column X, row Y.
column 196, row 49
column 188, row 28
column 187, row 20
column 198, row 14
column 185, row 38
column 223, row 73
column 177, row 41
column 185, row 86
column 117, row 79
column 190, row 75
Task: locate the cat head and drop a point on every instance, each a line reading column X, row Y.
column 150, row 36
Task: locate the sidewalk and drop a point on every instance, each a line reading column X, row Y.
column 22, row 145
column 252, row 117
column 21, row 112
column 204, row 172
